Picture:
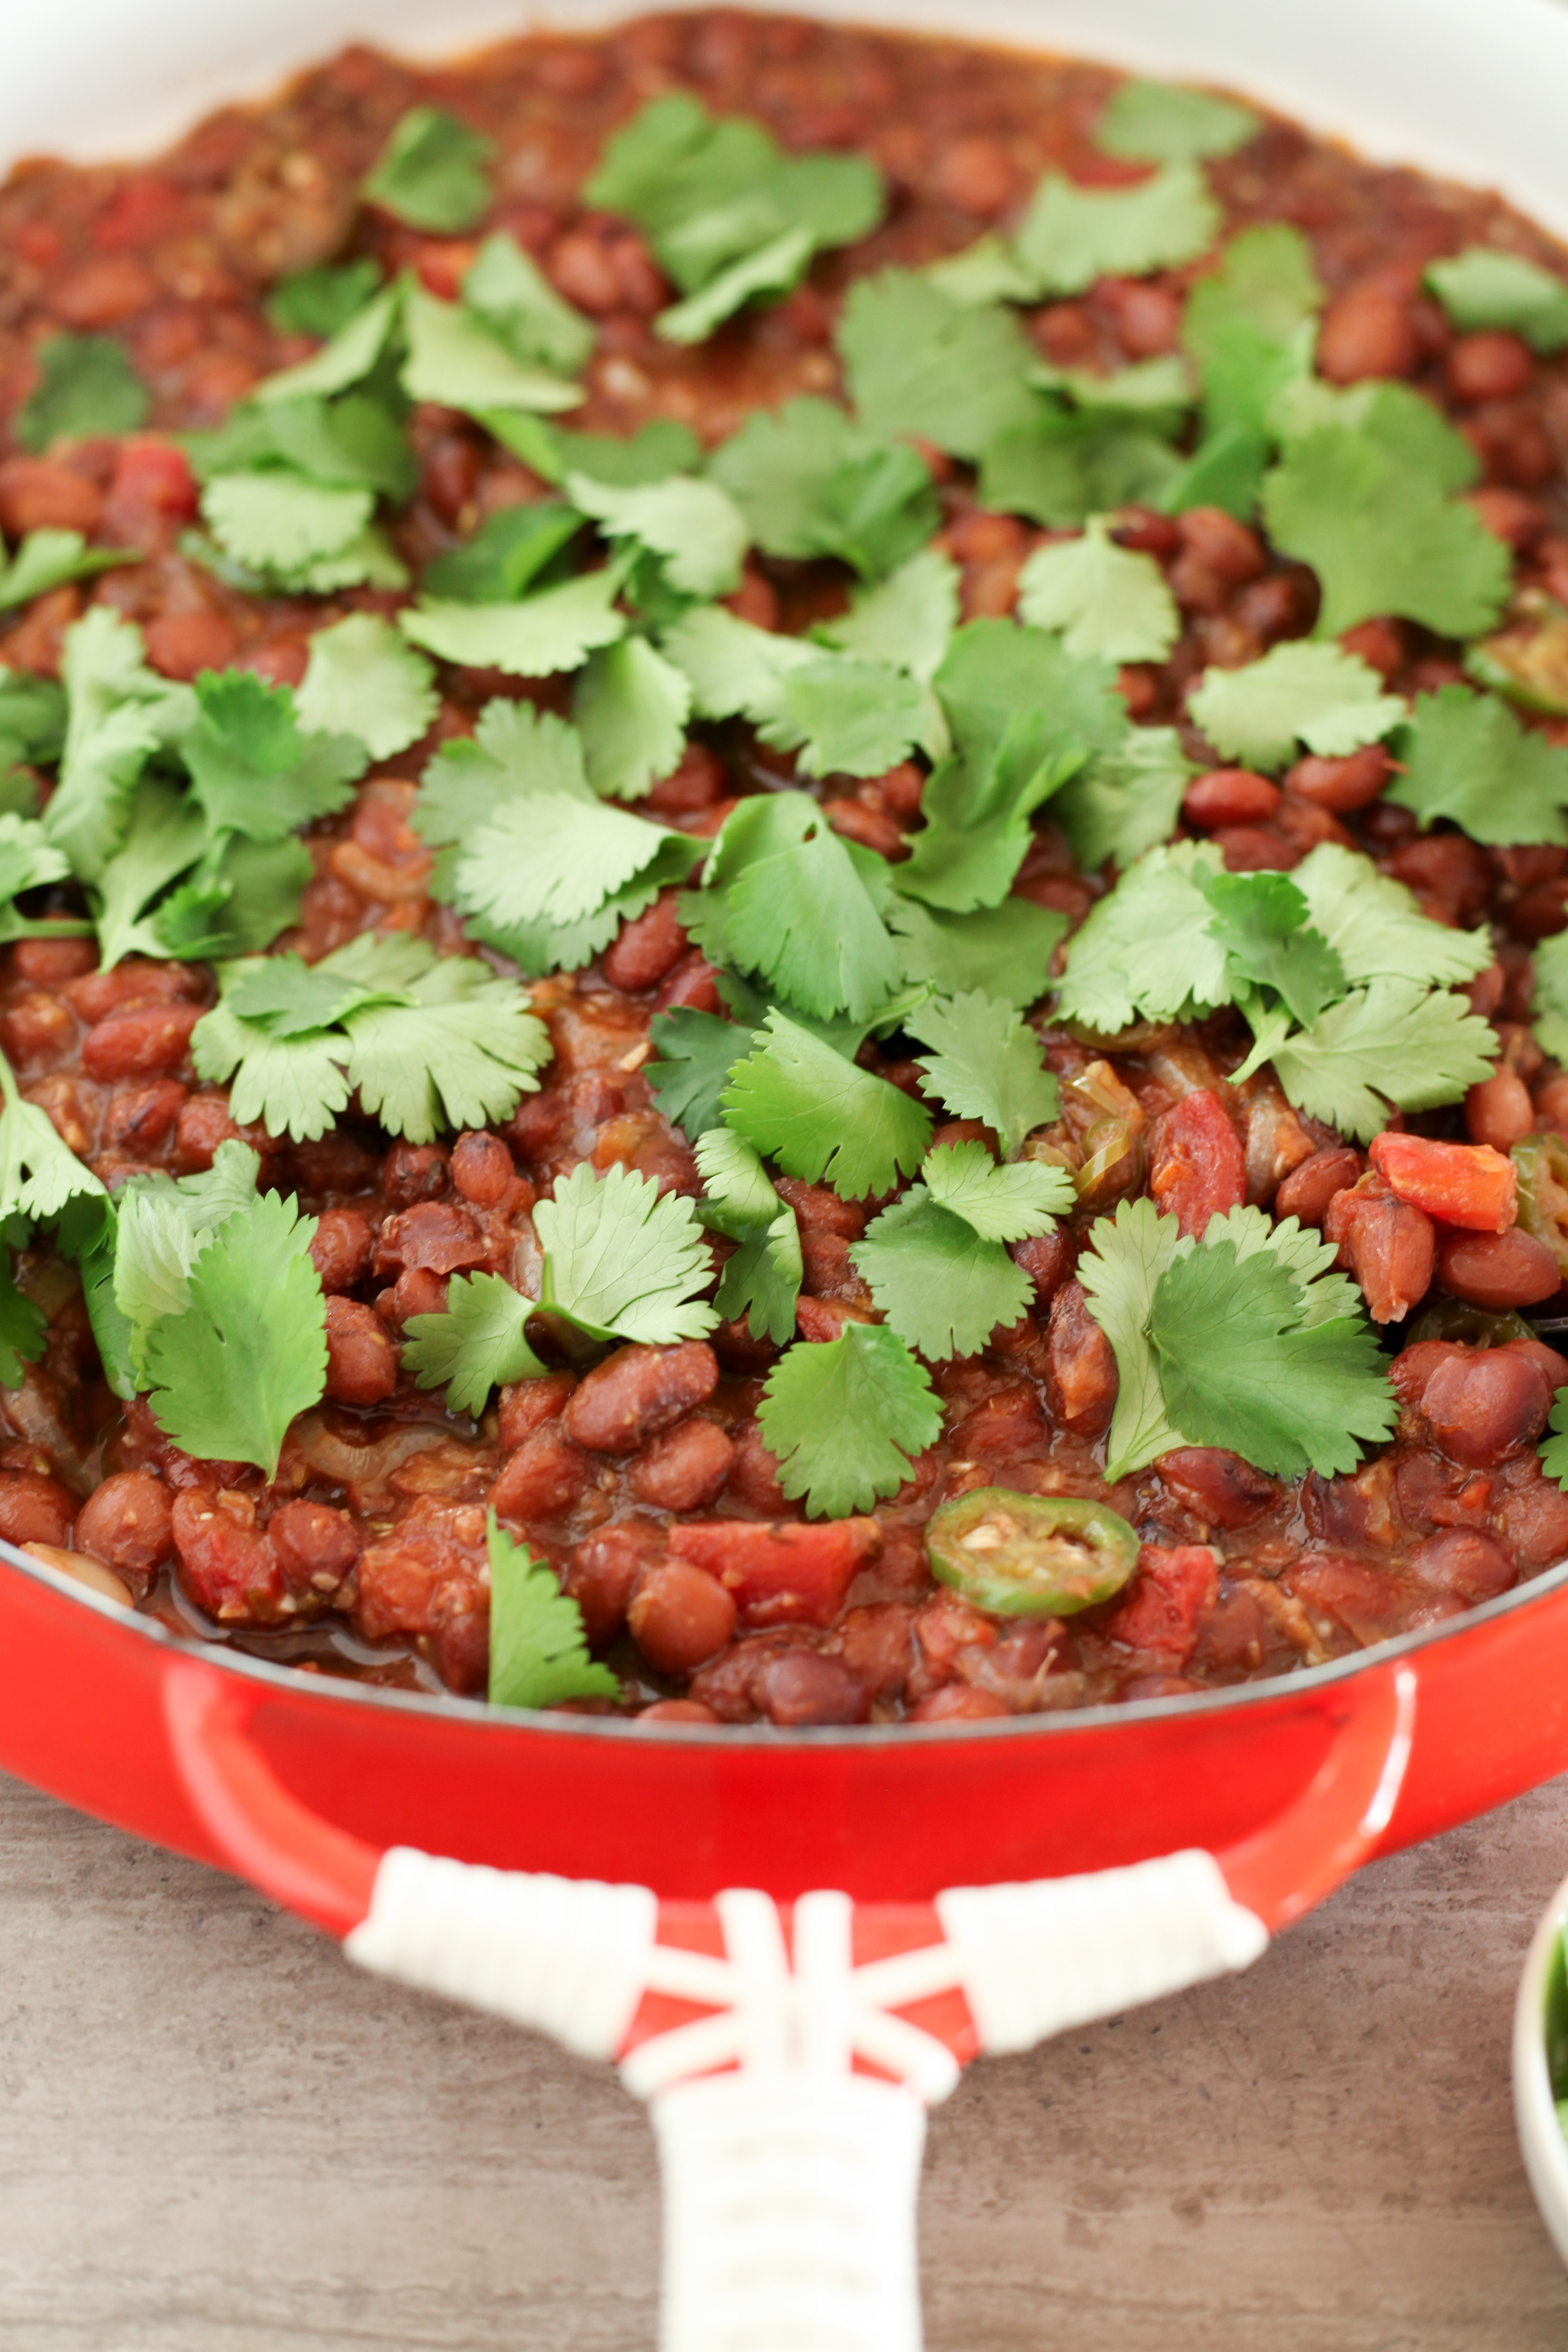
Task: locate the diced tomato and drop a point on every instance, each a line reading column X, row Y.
column 443, row 264
column 1197, row 1170
column 1175, row 1586
column 1467, row 1184
column 154, row 489
column 142, row 209
column 780, row 1573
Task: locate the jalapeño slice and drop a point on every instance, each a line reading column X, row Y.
column 1030, row 1555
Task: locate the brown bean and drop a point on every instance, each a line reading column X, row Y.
column 1484, row 1404
column 638, row 1392
column 808, row 1686
column 361, row 1362
column 1250, row 849
column 1379, row 642
column 1147, row 319
column 1224, row 546
column 1465, row 1561
column 315, row 1546
column 142, row 1119
column 525, row 1406
column 126, row 1523
column 1499, row 1110
column 98, row 993
column 417, row 1291
column 1080, row 1375
column 1489, row 365
column 437, row 1235
column 1448, row 868
column 819, row 1210
column 1048, row 1259
column 341, row 1248
column 1367, row 331
column 182, row 644
column 84, row 1570
column 545, row 1477
column 1217, row 1487
column 1229, row 796
column 649, row 946
column 958, row 1702
column 1388, row 1245
column 683, row 1469
column 49, row 964
column 1307, row 1191
column 1510, row 516
column 1497, row 1271
column 41, row 494
column 103, row 291
column 483, row 1170
column 678, row 1710
column 976, row 176
column 1341, row 785
column 1532, row 1519
column 36, row 1028
column 1003, row 1426
column 140, row 1045
column 35, row 1509
column 413, row 1172
column 604, row 1572
column 679, row 1616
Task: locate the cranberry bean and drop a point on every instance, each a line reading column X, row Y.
column 49, row 964
column 1221, row 544
column 41, row 494
column 1510, row 516
column 1147, row 319
column 143, row 1120
column 1249, row 849
column 1216, row 1486
column 1229, row 796
column 315, row 1546
column 1489, row 365
column 102, row 292
column 604, row 1573
column 545, row 1478
column 679, row 1616
column 1379, row 642
column 692, row 983
column 202, row 1124
column 525, row 1406
column 35, row 1509
column 1306, row 1192
column 341, row 1249
column 753, row 1480
column 1497, row 1271
column 1484, row 1404
column 873, row 828
column 437, row 1235
column 1513, row 444
column 684, row 1469
column 99, row 994
column 583, row 268
column 414, row 1172
column 638, row 1392
column 958, row 1702
column 877, row 1644
column 678, row 1710
column 417, row 1291
column 140, row 1045
column 1367, row 331
column 1080, row 1370
column 695, row 784
column 808, row 1686
column 126, row 1523
column 819, row 1210
column 1499, row 1110
column 482, row 1170
column 1004, row 1425
column 182, row 644
column 83, row 1569
column 361, row 1362
column 1414, row 1367
column 1465, row 1561
column 1532, row 1519
column 1448, row 868
column 1340, row 785
column 1554, row 1367
column 976, row 176
column 36, row 1028
column 648, row 947
column 1048, row 1259
column 1389, row 1245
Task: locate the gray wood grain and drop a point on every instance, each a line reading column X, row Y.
column 216, row 2138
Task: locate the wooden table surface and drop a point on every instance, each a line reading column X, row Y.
column 216, row 2136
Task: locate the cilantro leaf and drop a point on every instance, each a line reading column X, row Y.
column 455, row 358
column 234, row 902
column 164, row 836
column 693, row 525
column 631, row 707
column 346, row 359
column 458, row 1054
column 1376, row 927
column 985, row 1063
column 511, row 292
column 1164, row 122
column 1260, row 921
column 361, row 679
column 279, row 521
column 844, row 1418
column 1484, row 287
column 762, row 1278
column 798, row 1102
column 1002, row 1204
column 539, row 1651
column 511, row 550
column 86, row 386
column 1549, row 1011
column 1105, row 599
column 1071, row 235
column 810, row 481
column 769, row 268
column 804, row 918
column 47, row 559
column 1128, row 801
column 1126, row 1257
column 252, row 770
column 1554, row 1451
column 120, row 712
column 555, row 629
column 943, row 1288
column 478, row 1343
column 1004, row 951
column 160, row 1227
column 354, row 442
column 432, row 172
column 1393, row 1042
column 548, row 859
column 1380, row 531
column 1266, row 276
column 32, row 717
column 28, row 858
column 322, row 300
column 621, row 1259
column 697, row 1052
column 1145, row 948
column 906, row 620
column 246, row 1349
column 1467, row 756
column 39, row 1172
column 842, row 714
column 920, row 364
column 24, row 1329
column 1318, row 695
column 1238, row 1369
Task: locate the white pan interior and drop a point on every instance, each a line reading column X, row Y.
column 1475, row 89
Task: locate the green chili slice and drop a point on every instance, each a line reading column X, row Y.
column 1542, row 1164
column 1030, row 1555
column 1471, row 1326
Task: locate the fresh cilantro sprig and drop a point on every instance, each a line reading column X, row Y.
column 1549, row 1006
column 845, row 1419
column 539, row 1651
column 820, row 1117
column 86, row 386
column 427, row 1041
column 810, row 481
column 1485, row 288
column 361, row 679
column 119, row 713
column 921, row 364
column 1318, row 695
column 839, row 712
column 1166, row 122
column 1247, row 1340
column 1106, row 600
column 762, row 1277
column 1071, row 237
column 985, row 1063
column 541, row 634
column 432, row 172
column 47, row 559
column 478, row 1342
column 934, row 1261
column 1465, row 756
column 906, row 620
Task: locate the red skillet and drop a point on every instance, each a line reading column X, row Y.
column 790, row 2177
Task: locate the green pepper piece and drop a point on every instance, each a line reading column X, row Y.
column 1542, row 1164
column 1472, row 1327
column 1030, row 1555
